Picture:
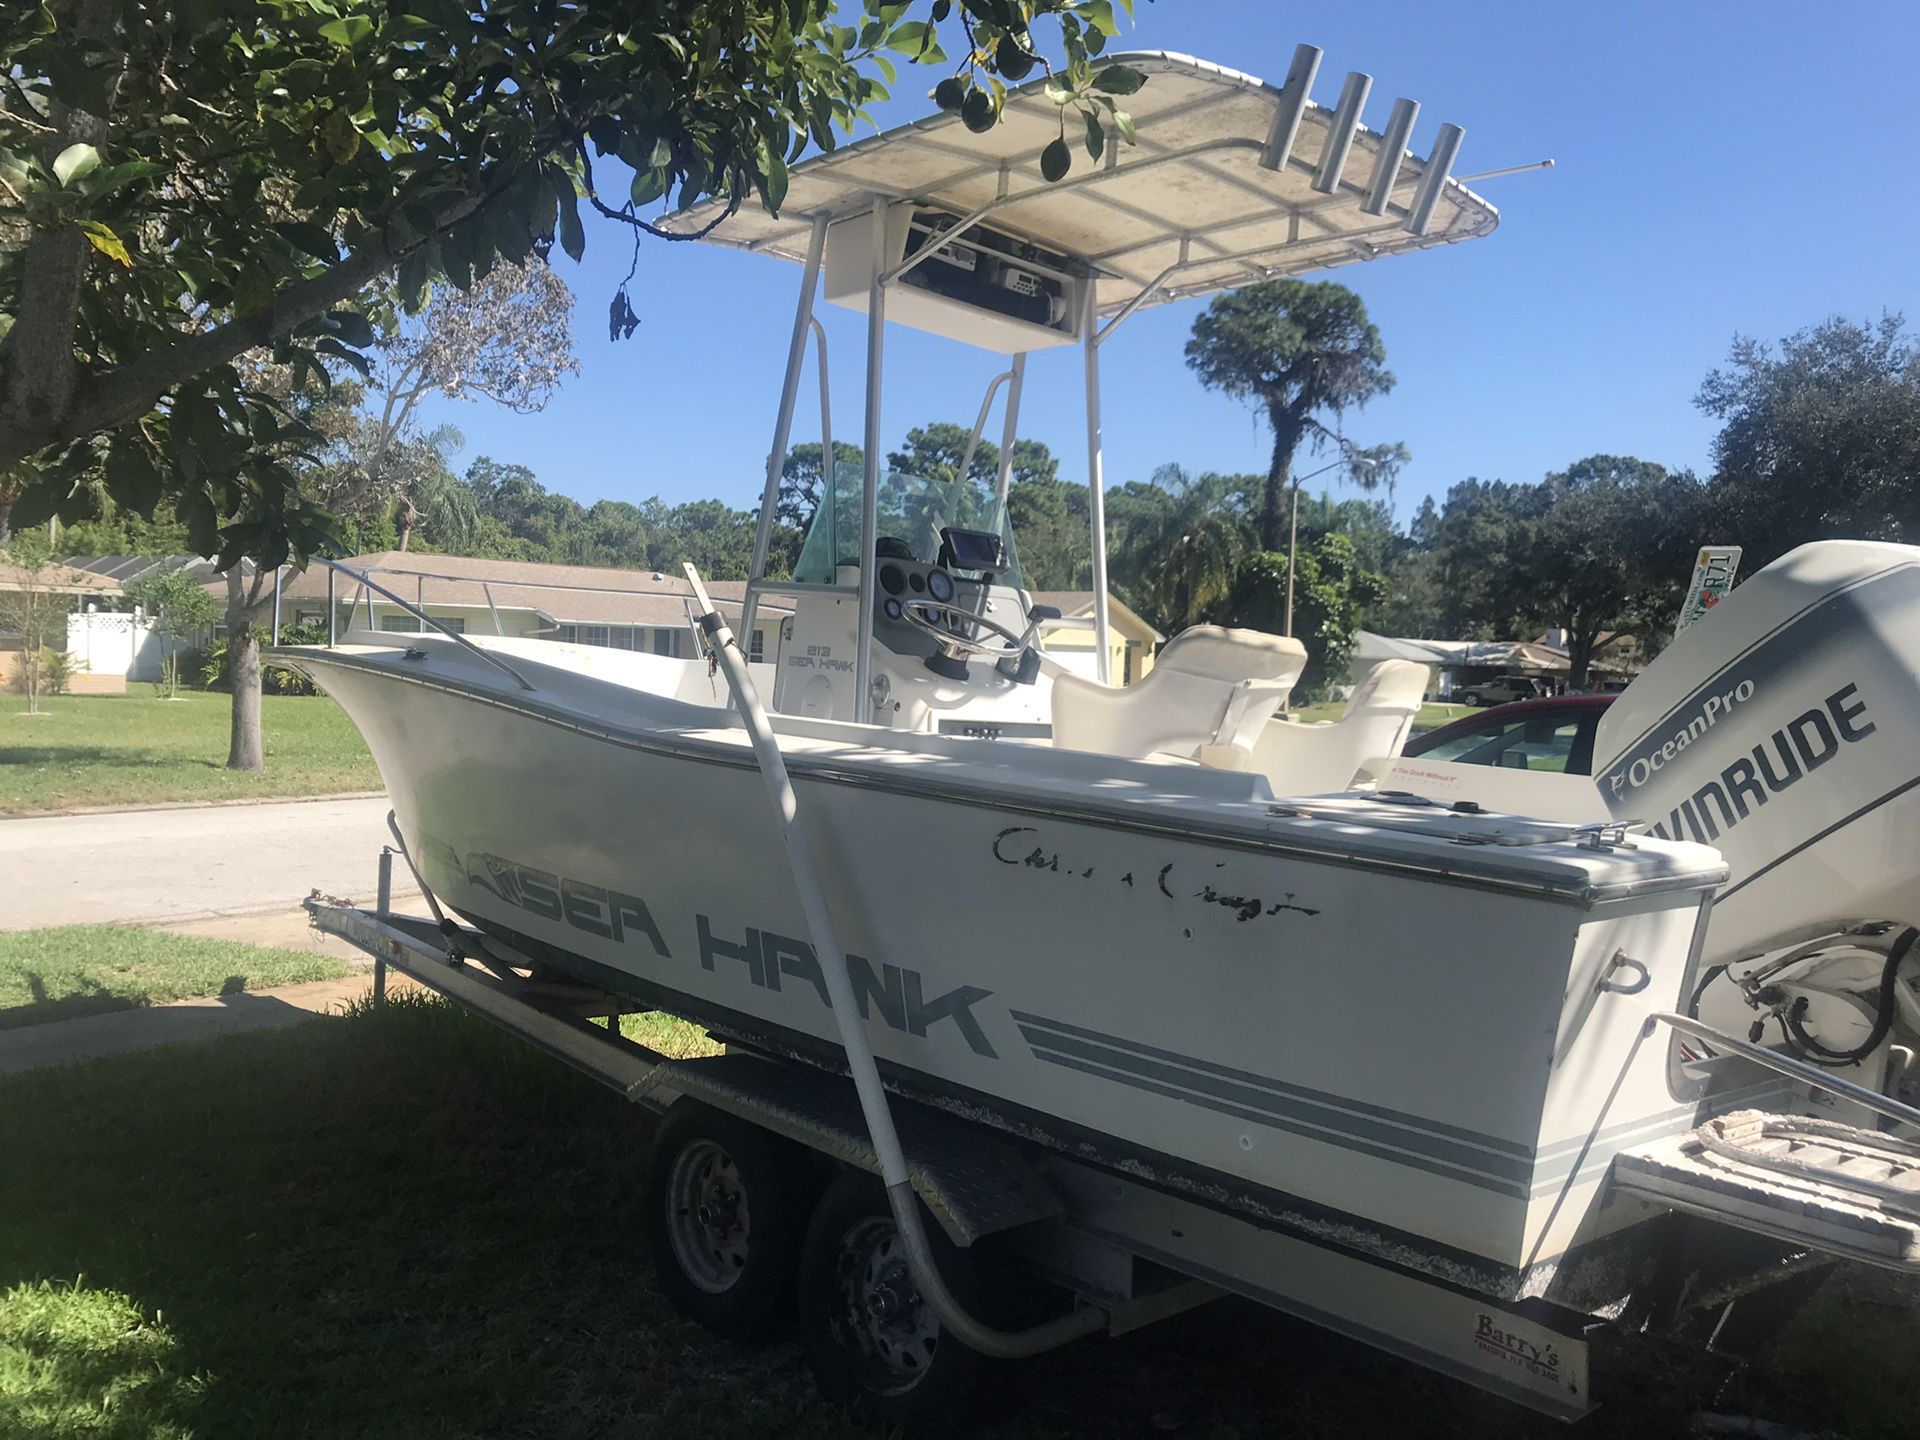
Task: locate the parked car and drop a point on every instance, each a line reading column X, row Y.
column 1548, row 734
column 1503, row 689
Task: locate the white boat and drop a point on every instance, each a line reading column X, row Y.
column 1411, row 1031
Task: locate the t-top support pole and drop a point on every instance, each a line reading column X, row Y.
column 783, row 423
column 870, row 487
column 1096, row 488
column 1018, row 378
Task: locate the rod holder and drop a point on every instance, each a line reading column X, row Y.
column 1393, row 152
column 1293, row 106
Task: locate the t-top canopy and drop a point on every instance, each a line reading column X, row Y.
column 1232, row 181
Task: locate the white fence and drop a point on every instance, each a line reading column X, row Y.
column 110, row 643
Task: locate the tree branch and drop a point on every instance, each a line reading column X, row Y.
column 132, row 390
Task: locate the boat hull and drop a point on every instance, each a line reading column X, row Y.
column 1355, row 1046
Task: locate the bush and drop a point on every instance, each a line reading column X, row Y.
column 57, row 669
column 273, row 679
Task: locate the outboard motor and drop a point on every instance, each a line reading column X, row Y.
column 1784, row 728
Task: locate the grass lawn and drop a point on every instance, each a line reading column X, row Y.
column 404, row 1223
column 1430, row 717
column 135, row 750
column 72, row 970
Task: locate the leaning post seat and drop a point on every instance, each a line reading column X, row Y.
column 1209, row 687
column 1316, row 759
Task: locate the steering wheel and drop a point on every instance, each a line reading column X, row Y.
column 921, row 615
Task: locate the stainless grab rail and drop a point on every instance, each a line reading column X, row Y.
column 1786, row 1065
column 366, row 579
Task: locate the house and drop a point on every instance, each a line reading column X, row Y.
column 1458, row 663
column 646, row 610
column 65, row 588
column 1131, row 641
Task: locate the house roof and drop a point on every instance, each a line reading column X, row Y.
column 128, row 568
column 563, row 594
column 1080, row 602
column 57, row 578
column 1226, row 185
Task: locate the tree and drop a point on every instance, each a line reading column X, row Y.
column 803, row 479
column 1601, row 550
column 1299, row 351
column 1049, row 519
column 32, row 608
column 178, row 608
column 1610, row 554
column 1335, row 592
column 181, row 185
column 1187, row 564
column 1818, row 441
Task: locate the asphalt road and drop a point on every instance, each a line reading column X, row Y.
column 177, row 864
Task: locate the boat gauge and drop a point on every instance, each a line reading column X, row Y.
column 892, row 608
column 940, row 585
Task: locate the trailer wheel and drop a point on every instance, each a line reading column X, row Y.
column 873, row 1343
column 726, row 1206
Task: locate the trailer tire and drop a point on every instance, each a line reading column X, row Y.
column 871, row 1342
column 726, row 1207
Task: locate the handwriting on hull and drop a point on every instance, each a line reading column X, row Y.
column 1023, row 846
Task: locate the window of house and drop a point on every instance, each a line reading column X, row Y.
column 309, row 617
column 622, row 637
column 757, row 646
column 455, row 623
column 666, row 641
column 567, row 633
column 399, row 624
column 593, row 634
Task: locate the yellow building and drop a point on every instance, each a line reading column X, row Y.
column 1131, row 641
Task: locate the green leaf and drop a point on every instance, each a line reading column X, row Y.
column 1099, row 14
column 1119, row 80
column 106, row 242
column 1096, row 133
column 573, row 236
column 352, row 327
column 662, row 155
column 771, row 179
column 1123, row 122
column 311, row 239
column 347, row 31
column 1056, row 160
column 915, row 38
column 1059, row 89
column 73, row 162
column 133, row 479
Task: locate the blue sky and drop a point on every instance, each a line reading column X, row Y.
column 1721, row 167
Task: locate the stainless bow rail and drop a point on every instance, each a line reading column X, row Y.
column 366, row 579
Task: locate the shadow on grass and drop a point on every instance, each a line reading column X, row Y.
column 41, row 1009
column 405, row 1223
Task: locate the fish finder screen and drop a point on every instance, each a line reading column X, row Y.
column 975, row 549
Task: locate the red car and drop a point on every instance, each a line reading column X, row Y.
column 1552, row 734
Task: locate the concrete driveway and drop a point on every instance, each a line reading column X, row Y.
column 202, row 860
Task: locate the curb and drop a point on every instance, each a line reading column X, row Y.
column 190, row 805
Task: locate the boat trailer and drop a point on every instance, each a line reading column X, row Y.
column 1123, row 1251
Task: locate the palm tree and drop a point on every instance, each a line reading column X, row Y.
column 1299, row 351
column 1192, row 556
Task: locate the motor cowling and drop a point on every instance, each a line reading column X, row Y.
column 1784, row 728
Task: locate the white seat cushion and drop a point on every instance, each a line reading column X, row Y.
column 1209, row 686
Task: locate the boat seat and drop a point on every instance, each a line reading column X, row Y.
column 1318, row 759
column 1209, row 687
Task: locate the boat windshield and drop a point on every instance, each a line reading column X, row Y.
column 913, row 510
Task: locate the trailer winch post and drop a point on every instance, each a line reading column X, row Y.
column 901, row 1199
column 384, row 909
